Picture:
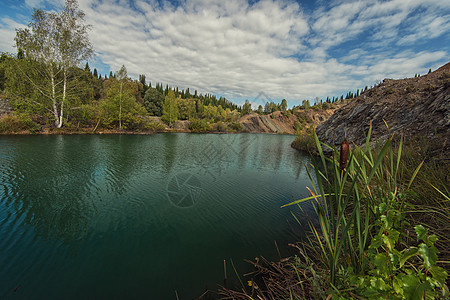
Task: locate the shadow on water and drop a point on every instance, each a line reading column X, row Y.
column 170, row 153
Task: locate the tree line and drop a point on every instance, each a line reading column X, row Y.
column 44, row 82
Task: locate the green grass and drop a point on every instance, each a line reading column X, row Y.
column 381, row 231
column 364, row 238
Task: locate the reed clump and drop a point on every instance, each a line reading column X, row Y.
column 381, row 230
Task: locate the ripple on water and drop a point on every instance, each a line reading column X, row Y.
column 81, row 210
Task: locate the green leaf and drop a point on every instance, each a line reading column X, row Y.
column 439, row 274
column 410, row 284
column 304, row 200
column 381, row 262
column 421, row 232
column 415, row 174
column 385, row 220
column 376, row 242
column 420, row 289
column 389, row 242
column 428, row 254
column 432, row 239
column 408, row 254
column 379, row 159
column 394, row 235
column 393, row 255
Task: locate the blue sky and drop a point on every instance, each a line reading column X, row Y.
column 239, row 49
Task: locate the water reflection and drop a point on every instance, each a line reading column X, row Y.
column 55, row 179
column 84, row 209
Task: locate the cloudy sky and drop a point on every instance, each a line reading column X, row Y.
column 272, row 49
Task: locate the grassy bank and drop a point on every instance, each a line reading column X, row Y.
column 22, row 124
column 381, row 229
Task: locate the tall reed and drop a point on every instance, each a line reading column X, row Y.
column 359, row 204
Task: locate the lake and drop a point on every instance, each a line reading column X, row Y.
column 142, row 216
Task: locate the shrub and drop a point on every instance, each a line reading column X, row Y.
column 326, row 105
column 12, row 124
column 220, row 126
column 235, row 126
column 85, row 115
column 305, row 142
column 197, row 125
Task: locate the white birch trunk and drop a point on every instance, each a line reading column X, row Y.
column 120, row 107
column 54, row 104
column 61, row 107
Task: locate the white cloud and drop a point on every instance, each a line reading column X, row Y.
column 8, row 28
column 238, row 50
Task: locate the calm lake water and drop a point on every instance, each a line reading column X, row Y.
column 104, row 217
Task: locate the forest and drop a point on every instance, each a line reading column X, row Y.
column 86, row 100
column 50, row 86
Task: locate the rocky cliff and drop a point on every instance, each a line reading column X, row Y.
column 266, row 124
column 414, row 107
column 279, row 123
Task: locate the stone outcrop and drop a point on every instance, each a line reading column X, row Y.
column 414, row 107
column 278, row 123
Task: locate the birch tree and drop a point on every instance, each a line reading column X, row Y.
column 170, row 108
column 119, row 105
column 59, row 42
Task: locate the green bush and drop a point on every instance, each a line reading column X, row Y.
column 85, row 115
column 139, row 124
column 197, row 125
column 305, row 142
column 220, row 127
column 235, row 126
column 326, row 105
column 20, row 123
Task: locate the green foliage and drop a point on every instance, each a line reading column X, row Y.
column 235, row 126
column 153, row 102
column 20, row 123
column 170, row 108
column 326, row 105
column 210, row 112
column 53, row 44
column 305, row 141
column 197, row 125
column 305, row 104
column 140, row 124
column 283, row 105
column 260, row 110
column 361, row 235
column 410, row 273
column 271, row 107
column 85, row 115
column 3, row 60
column 220, row 127
column 119, row 107
column 246, row 108
column 297, row 127
column 24, row 97
column 186, row 109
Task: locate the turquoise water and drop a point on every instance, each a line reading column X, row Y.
column 104, row 217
